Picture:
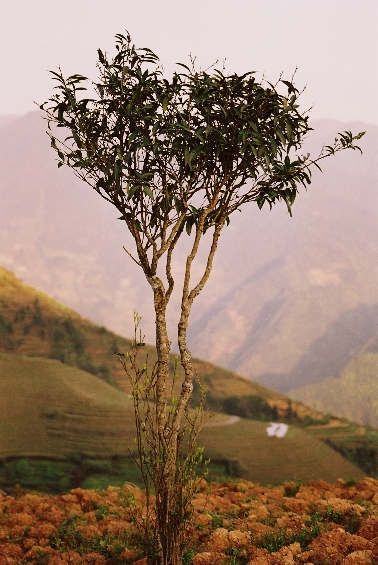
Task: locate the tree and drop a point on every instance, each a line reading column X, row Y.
column 176, row 158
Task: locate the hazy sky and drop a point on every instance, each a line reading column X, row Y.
column 333, row 42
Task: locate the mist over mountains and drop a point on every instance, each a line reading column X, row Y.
column 290, row 300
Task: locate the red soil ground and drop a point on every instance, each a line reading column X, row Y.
column 232, row 523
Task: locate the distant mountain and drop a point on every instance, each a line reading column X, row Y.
column 351, row 392
column 290, row 300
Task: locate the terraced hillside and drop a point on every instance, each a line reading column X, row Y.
column 56, row 402
column 52, row 411
column 33, row 324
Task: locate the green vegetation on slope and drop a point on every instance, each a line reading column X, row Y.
column 51, row 411
column 73, row 416
column 33, row 324
column 272, row 460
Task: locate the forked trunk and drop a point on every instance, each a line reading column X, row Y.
column 169, row 485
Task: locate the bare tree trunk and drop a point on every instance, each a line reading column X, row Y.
column 168, row 519
column 163, row 351
column 170, row 487
column 188, row 297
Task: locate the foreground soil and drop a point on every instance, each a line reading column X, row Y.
column 232, row 523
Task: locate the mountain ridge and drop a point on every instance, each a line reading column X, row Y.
column 350, row 392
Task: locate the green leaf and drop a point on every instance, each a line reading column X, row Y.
column 101, row 56
column 254, row 151
column 148, row 191
column 260, row 201
column 189, row 224
column 182, row 65
column 290, row 86
column 261, row 151
column 131, row 191
column 196, row 211
column 289, row 131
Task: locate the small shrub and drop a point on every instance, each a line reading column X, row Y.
column 292, row 488
column 216, row 520
column 236, row 556
column 273, row 541
column 6, row 327
column 187, row 558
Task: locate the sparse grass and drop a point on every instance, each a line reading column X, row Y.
column 216, row 520
column 68, row 537
column 273, row 541
column 236, row 556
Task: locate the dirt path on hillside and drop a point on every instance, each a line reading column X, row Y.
column 231, row 420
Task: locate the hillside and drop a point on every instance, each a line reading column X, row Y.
column 72, row 415
column 52, row 412
column 350, row 393
column 289, row 299
column 33, row 324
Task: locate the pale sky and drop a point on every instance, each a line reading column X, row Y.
column 334, row 43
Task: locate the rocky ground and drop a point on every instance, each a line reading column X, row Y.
column 237, row 523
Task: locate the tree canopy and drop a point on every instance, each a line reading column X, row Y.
column 166, row 152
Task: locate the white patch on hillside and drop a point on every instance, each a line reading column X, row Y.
column 278, row 430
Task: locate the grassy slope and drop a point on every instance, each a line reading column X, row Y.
column 66, row 421
column 33, row 324
column 269, row 460
column 66, row 411
column 49, row 409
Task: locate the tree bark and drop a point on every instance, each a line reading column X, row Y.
column 168, row 521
